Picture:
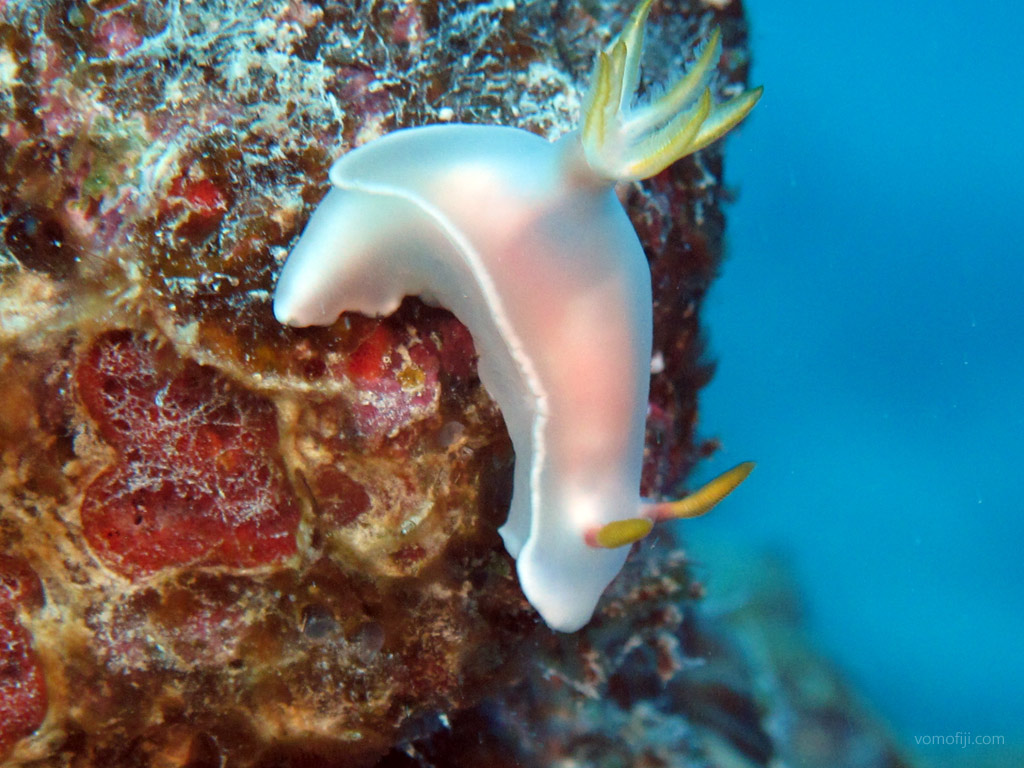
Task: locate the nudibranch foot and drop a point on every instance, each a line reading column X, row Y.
column 625, row 143
column 623, row 532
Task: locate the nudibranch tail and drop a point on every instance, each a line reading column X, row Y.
column 623, row 143
column 623, row 532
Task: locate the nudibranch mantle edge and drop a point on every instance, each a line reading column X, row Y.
column 526, row 243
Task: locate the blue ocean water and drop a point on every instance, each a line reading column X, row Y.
column 869, row 327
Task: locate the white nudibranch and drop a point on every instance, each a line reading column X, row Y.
column 526, row 243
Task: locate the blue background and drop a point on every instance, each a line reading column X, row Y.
column 869, row 327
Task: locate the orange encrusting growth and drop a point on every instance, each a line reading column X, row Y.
column 195, row 478
column 23, row 696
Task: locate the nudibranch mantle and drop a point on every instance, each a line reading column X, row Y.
column 526, row 243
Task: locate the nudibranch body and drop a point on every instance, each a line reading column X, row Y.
column 526, row 243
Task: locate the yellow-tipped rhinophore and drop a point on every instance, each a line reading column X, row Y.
column 703, row 499
column 620, row 533
column 623, row 532
column 625, row 144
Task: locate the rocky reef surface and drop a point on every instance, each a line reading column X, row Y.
column 226, row 542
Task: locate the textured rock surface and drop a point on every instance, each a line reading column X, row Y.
column 227, row 542
column 672, row 685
